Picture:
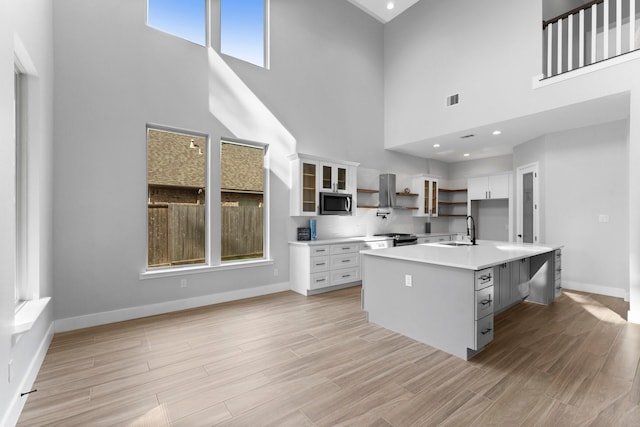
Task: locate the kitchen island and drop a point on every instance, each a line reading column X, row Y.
column 446, row 295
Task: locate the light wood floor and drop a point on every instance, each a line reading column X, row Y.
column 288, row 360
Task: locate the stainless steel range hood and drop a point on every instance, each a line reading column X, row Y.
column 388, row 190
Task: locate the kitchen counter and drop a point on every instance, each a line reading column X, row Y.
column 485, row 254
column 337, row 240
column 446, row 296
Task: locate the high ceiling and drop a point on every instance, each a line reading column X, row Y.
column 378, row 8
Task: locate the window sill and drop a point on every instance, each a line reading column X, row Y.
column 181, row 271
column 27, row 316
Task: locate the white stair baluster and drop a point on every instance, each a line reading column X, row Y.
column 559, row 46
column 632, row 25
column 581, row 39
column 549, row 50
column 605, row 30
column 618, row 27
column 570, row 43
column 594, row 31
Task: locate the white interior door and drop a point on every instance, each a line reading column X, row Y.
column 528, row 206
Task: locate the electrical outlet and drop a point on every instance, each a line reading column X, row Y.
column 603, row 218
column 183, row 283
column 408, row 280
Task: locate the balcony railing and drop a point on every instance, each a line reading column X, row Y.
column 597, row 31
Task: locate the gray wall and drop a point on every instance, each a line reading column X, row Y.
column 324, row 88
column 28, row 21
column 584, row 174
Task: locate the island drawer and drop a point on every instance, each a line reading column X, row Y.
column 320, row 250
column 484, row 331
column 345, row 248
column 320, row 263
column 484, row 302
column 484, row 278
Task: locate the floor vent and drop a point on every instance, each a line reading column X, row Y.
column 453, row 99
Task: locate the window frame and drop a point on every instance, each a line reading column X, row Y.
column 266, row 255
column 178, row 269
column 207, row 27
column 21, row 289
column 216, row 33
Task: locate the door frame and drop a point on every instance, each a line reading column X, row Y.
column 520, row 172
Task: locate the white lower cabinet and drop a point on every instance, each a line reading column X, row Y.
column 313, row 268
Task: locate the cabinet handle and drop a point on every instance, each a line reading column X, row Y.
column 486, row 301
column 346, row 275
column 346, row 249
column 485, row 277
column 346, row 260
column 320, row 263
column 320, row 280
column 486, row 331
column 320, row 250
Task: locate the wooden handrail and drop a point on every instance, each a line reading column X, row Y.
column 571, row 12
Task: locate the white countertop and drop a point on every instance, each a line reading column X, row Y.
column 485, row 254
column 337, row 240
column 357, row 239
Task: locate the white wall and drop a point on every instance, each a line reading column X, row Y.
column 584, row 174
column 324, row 89
column 25, row 28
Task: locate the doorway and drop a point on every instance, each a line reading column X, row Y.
column 528, row 221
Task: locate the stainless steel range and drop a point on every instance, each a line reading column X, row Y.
column 401, row 239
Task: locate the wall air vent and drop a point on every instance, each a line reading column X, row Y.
column 467, row 136
column 453, row 99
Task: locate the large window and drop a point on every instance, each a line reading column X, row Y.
column 181, row 18
column 176, row 184
column 20, row 290
column 244, row 30
column 242, row 195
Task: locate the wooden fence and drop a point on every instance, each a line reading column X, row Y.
column 176, row 233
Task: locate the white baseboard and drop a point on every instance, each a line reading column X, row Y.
column 596, row 289
column 103, row 318
column 17, row 403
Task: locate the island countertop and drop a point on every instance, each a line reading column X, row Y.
column 485, row 254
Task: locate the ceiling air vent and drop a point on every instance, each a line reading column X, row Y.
column 453, row 99
column 467, row 136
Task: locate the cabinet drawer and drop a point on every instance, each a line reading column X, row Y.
column 484, row 302
column 346, row 248
column 345, row 276
column 320, row 263
column 320, row 280
column 320, row 250
column 345, row 261
column 484, row 278
column 484, row 331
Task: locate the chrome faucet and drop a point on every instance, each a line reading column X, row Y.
column 472, row 234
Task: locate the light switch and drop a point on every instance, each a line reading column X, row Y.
column 408, row 280
column 603, row 218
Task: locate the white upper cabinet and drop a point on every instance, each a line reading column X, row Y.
column 311, row 175
column 427, row 189
column 335, row 178
column 489, row 187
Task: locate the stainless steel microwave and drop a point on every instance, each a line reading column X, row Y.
column 335, row 204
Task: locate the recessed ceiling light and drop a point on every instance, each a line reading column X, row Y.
column 497, row 132
column 466, row 154
column 390, row 5
column 436, row 145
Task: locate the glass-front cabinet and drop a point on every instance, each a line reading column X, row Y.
column 309, row 191
column 427, row 196
column 311, row 175
column 334, row 178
